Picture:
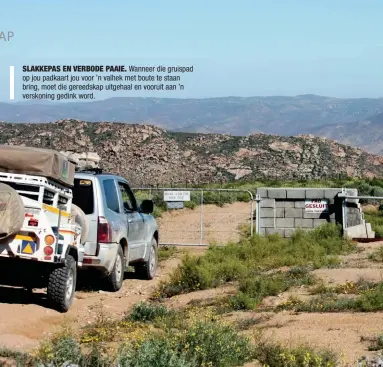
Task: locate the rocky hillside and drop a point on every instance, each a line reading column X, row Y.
column 151, row 155
column 367, row 133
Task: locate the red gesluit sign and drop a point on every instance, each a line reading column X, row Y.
column 316, row 206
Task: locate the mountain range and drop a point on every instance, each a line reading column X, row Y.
column 357, row 121
column 150, row 155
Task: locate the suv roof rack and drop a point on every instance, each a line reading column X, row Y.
column 94, row 170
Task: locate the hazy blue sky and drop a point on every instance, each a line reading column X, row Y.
column 238, row 48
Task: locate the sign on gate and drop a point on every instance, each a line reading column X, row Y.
column 175, row 204
column 316, row 206
column 176, row 195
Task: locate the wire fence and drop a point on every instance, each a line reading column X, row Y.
column 211, row 216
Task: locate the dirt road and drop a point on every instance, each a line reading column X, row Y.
column 26, row 319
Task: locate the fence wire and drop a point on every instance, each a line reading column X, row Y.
column 212, row 216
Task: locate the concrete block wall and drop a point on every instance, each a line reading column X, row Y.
column 283, row 209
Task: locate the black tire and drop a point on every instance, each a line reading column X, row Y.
column 62, row 285
column 148, row 269
column 115, row 279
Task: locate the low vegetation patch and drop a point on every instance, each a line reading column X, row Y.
column 347, row 288
column 248, row 262
column 196, row 338
column 253, row 290
column 376, row 343
column 377, row 255
column 375, row 217
column 166, row 252
column 369, row 300
column 274, row 355
column 146, row 338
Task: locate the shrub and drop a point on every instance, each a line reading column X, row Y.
column 369, row 300
column 253, row 289
column 20, row 359
column 145, row 312
column 377, row 255
column 274, row 355
column 62, row 348
column 375, row 217
column 165, row 252
column 252, row 256
column 214, row 344
column 195, row 340
column 153, row 352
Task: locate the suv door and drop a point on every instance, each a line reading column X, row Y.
column 136, row 223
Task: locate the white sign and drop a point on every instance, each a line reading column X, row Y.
column 316, row 206
column 175, row 205
column 176, row 195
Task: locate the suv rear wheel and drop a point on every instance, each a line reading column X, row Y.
column 116, row 277
column 148, row 269
column 62, row 285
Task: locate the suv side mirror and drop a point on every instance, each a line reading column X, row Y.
column 147, row 206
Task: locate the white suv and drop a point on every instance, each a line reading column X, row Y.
column 120, row 233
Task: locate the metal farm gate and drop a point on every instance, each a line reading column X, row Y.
column 200, row 217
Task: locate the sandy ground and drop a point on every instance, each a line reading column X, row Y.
column 340, row 332
column 26, row 320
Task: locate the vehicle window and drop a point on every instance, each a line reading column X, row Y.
column 128, row 199
column 83, row 195
column 111, row 196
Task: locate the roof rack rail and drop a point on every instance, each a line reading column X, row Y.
column 94, row 170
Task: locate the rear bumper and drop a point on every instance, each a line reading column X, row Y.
column 104, row 260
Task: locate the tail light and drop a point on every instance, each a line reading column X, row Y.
column 49, row 240
column 48, row 250
column 104, row 231
column 33, row 222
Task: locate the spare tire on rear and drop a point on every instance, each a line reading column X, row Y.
column 79, row 217
column 12, row 211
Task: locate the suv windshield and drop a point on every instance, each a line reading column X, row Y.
column 83, row 195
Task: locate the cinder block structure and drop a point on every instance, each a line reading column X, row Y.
column 283, row 210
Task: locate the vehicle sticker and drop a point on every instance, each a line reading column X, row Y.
column 28, row 247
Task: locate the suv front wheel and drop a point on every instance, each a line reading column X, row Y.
column 148, row 269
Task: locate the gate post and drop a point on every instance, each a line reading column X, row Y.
column 342, row 195
column 201, row 218
column 252, row 217
column 258, row 214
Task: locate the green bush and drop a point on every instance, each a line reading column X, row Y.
column 246, row 261
column 274, row 355
column 201, row 343
column 153, row 352
column 375, row 218
column 62, row 348
column 253, row 289
column 214, row 344
column 20, row 359
column 145, row 311
column 370, row 300
column 166, row 252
